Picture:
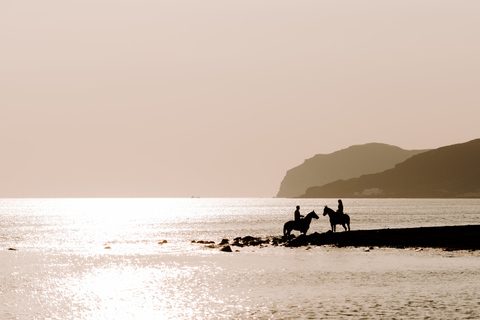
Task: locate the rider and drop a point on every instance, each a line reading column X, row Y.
column 298, row 216
column 340, row 207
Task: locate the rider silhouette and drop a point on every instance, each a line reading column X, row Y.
column 340, row 207
column 298, row 216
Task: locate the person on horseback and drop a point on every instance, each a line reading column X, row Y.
column 340, row 207
column 298, row 216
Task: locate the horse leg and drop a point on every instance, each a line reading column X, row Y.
column 347, row 221
column 344, row 227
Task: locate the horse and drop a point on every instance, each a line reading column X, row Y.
column 301, row 225
column 337, row 218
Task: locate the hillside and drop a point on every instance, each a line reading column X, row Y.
column 447, row 172
column 344, row 164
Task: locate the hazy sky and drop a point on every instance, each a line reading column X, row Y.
column 221, row 98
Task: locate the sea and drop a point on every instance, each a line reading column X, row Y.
column 141, row 259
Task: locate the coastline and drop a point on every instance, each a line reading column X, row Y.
column 463, row 237
column 466, row 237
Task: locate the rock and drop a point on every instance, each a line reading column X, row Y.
column 107, row 247
column 299, row 241
column 203, row 242
column 162, row 242
column 12, row 249
column 224, row 242
column 258, row 241
column 248, row 239
column 226, row 249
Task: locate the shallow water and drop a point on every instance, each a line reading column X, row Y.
column 61, row 269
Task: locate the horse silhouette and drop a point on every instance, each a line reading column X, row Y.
column 337, row 218
column 301, row 225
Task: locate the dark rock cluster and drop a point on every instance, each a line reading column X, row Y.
column 248, row 241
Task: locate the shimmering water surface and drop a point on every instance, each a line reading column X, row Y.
column 62, row 269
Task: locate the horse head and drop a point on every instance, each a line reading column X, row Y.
column 325, row 211
column 312, row 215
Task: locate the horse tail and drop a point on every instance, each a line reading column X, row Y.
column 285, row 229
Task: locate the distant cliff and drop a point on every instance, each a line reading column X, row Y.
column 448, row 172
column 344, row 164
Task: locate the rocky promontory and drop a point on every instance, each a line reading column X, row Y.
column 448, row 237
column 465, row 237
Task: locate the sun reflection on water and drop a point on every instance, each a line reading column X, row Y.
column 63, row 269
column 133, row 290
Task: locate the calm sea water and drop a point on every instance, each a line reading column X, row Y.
column 62, row 268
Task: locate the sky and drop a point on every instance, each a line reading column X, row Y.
column 220, row 98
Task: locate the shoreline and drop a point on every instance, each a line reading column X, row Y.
column 466, row 237
column 462, row 237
